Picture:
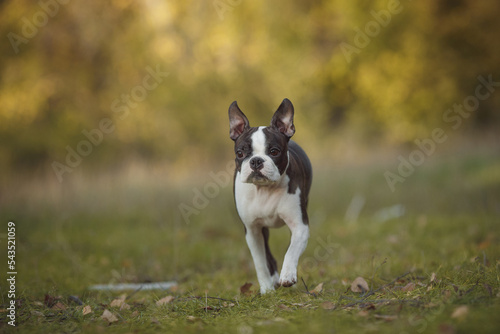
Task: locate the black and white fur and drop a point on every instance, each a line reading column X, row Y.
column 271, row 186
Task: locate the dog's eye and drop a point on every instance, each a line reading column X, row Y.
column 274, row 152
column 240, row 154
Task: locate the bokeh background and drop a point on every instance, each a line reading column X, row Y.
column 61, row 72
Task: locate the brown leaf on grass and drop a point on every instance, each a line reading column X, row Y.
column 359, row 285
column 245, row 289
column 59, row 306
column 460, row 312
column 118, row 302
column 165, row 300
column 328, row 305
column 50, row 300
column 108, row 316
column 284, row 307
column 318, row 289
column 86, row 310
column 408, row 287
column 433, row 277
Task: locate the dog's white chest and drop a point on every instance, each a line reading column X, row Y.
column 265, row 206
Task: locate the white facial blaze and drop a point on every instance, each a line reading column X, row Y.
column 259, row 142
column 269, row 169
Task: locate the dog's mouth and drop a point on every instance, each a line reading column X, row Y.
column 259, row 179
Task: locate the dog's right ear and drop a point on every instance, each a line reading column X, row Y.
column 238, row 122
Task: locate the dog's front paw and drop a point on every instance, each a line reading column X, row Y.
column 270, row 284
column 264, row 290
column 288, row 278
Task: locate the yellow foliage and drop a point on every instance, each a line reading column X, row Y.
column 63, row 78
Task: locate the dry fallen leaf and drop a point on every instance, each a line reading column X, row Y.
column 460, row 312
column 284, row 307
column 433, row 277
column 50, row 300
column 245, row 289
column 359, row 285
column 58, row 306
column 165, row 300
column 318, row 289
column 108, row 316
column 408, row 287
column 118, row 302
column 86, row 310
column 328, row 305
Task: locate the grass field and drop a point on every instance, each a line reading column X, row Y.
column 429, row 252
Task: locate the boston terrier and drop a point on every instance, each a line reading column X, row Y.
column 272, row 179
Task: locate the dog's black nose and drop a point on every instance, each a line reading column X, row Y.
column 256, row 163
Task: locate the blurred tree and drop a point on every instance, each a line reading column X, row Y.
column 66, row 66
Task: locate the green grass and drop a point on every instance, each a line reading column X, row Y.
column 114, row 230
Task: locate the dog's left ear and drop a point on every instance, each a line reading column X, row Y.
column 238, row 122
column 283, row 119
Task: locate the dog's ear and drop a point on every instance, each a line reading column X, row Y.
column 283, row 119
column 238, row 122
